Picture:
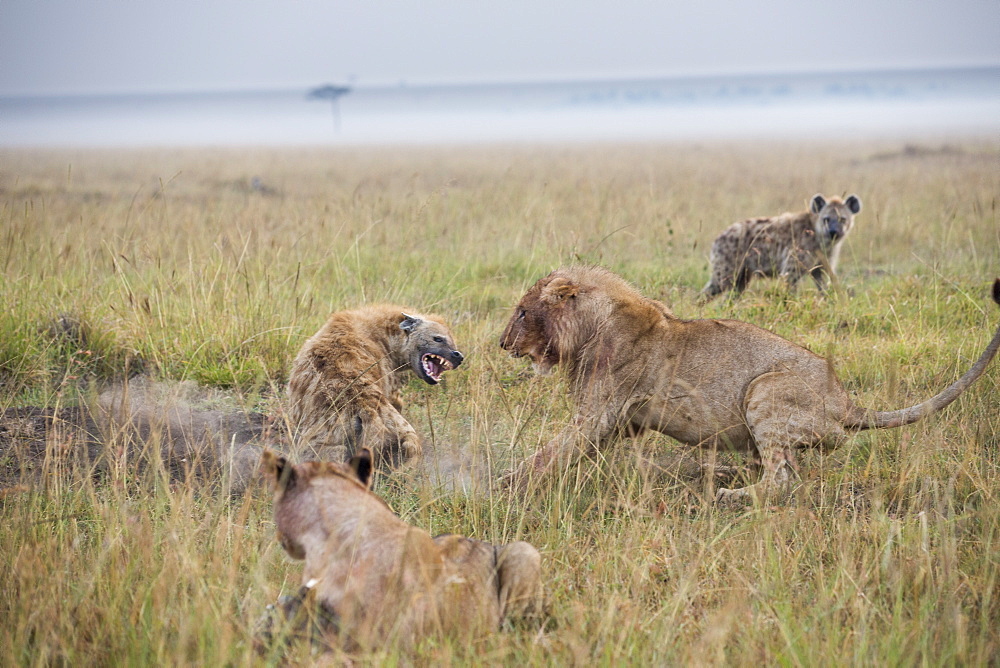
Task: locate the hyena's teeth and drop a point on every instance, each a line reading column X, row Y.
column 435, row 365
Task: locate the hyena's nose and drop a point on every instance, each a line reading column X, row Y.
column 457, row 357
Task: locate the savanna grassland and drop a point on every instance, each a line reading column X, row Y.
column 213, row 266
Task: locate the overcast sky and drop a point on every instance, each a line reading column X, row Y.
column 119, row 46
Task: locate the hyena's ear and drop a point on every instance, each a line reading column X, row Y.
column 409, row 323
column 853, row 203
column 361, row 464
column 817, row 203
column 277, row 469
column 559, row 289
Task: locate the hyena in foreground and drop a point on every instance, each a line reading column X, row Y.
column 790, row 246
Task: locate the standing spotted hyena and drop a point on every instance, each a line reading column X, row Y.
column 790, row 246
column 344, row 386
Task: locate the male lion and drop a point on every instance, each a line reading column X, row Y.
column 633, row 365
column 345, row 382
column 375, row 578
column 790, row 245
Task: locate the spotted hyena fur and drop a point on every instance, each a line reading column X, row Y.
column 790, row 246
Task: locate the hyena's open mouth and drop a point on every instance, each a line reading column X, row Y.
column 434, row 366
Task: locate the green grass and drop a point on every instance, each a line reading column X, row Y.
column 888, row 555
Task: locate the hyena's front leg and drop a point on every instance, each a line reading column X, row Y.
column 391, row 438
column 792, row 269
column 824, row 273
column 820, row 278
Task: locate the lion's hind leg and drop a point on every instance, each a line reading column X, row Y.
column 519, row 580
column 715, row 476
column 784, row 412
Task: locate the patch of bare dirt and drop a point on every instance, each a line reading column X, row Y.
column 194, row 431
column 25, row 434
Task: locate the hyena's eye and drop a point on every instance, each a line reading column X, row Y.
column 438, row 339
column 521, row 314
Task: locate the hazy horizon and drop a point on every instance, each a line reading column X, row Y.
column 527, row 81
column 889, row 103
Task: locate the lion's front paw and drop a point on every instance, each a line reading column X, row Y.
column 518, row 478
column 732, row 497
column 512, row 479
column 721, row 475
column 521, row 477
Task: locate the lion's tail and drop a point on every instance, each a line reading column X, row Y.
column 864, row 419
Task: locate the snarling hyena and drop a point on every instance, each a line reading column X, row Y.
column 790, row 246
column 344, row 386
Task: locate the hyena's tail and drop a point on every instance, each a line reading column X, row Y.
column 865, row 419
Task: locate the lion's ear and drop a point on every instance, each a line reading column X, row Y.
column 559, row 289
column 409, row 323
column 277, row 469
column 361, row 464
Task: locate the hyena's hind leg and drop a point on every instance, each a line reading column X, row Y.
column 711, row 289
column 724, row 278
column 718, row 281
column 328, row 436
column 733, row 282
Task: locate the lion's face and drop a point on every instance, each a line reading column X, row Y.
column 834, row 217
column 533, row 329
column 429, row 348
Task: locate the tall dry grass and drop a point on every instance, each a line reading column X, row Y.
column 179, row 265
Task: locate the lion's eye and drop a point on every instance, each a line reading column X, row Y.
column 438, row 339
